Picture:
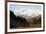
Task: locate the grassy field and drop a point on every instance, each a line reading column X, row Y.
column 27, row 26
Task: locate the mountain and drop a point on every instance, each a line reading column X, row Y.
column 23, row 21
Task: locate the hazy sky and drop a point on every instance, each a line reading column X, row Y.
column 16, row 6
column 29, row 10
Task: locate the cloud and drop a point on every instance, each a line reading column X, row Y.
column 24, row 12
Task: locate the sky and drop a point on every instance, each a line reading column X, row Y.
column 25, row 10
column 16, row 6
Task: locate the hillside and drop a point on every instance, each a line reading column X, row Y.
column 20, row 22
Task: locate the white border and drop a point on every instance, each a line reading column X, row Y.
column 26, row 29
